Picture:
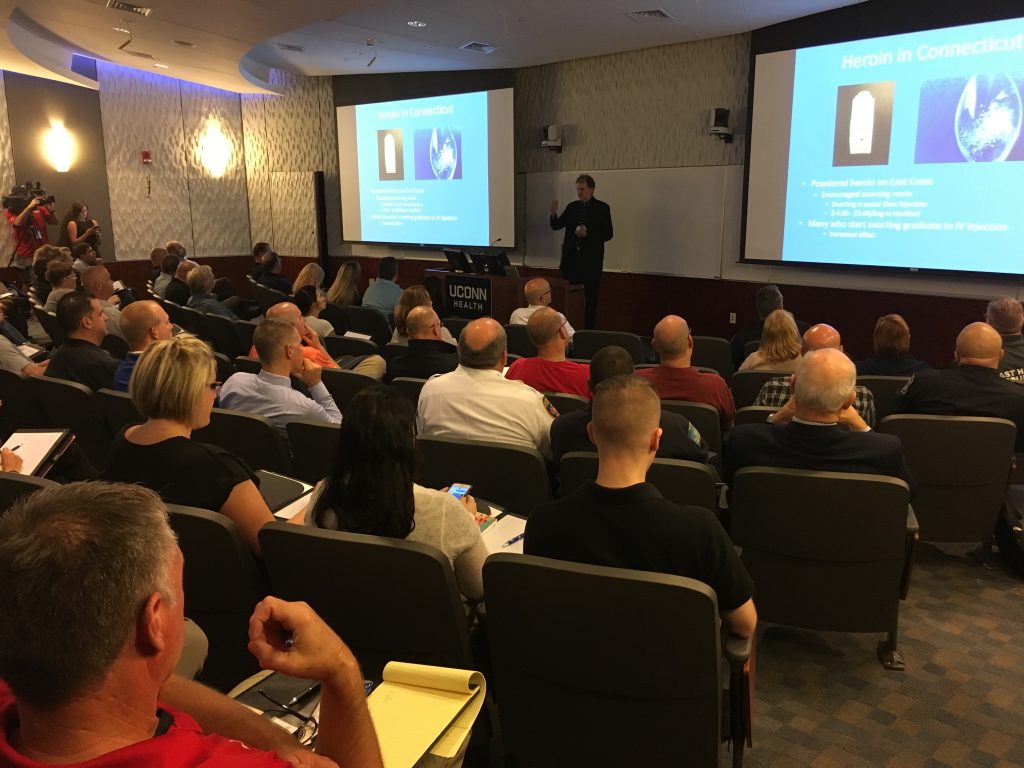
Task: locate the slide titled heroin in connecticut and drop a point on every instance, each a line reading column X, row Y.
column 423, row 170
column 907, row 151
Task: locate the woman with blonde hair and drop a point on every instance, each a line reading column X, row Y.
column 311, row 274
column 780, row 346
column 413, row 296
column 174, row 386
column 891, row 342
column 344, row 291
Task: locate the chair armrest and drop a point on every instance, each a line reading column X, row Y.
column 740, row 653
column 912, row 526
column 737, row 649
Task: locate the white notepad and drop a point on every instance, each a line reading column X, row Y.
column 34, row 446
column 506, row 529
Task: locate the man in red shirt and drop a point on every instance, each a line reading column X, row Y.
column 549, row 371
column 30, row 229
column 91, row 627
column 676, row 379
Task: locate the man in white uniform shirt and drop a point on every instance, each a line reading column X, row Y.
column 476, row 402
column 538, row 294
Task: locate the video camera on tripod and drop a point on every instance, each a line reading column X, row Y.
column 20, row 196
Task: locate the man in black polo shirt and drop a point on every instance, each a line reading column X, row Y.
column 428, row 354
column 80, row 358
column 972, row 388
column 624, row 522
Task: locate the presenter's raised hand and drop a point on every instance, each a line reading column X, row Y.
column 554, row 208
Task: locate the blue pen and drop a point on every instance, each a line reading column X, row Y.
column 512, row 541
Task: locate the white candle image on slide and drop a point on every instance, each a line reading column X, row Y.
column 862, row 123
column 390, row 163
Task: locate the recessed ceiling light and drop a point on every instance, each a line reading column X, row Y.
column 185, row 43
column 122, row 29
column 417, row 24
column 161, row 66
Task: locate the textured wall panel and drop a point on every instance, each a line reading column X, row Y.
column 641, row 109
column 219, row 206
column 148, row 204
column 7, row 177
column 293, row 201
column 257, row 172
column 329, row 148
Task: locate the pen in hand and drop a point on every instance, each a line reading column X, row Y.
column 15, row 448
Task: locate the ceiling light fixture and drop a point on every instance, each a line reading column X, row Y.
column 122, row 29
column 161, row 66
column 417, row 24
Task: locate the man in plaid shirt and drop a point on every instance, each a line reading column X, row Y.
column 776, row 392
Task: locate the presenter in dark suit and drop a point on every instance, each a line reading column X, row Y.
column 818, row 429
column 588, row 226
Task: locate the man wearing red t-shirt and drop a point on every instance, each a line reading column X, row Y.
column 91, row 627
column 549, row 371
column 30, row 229
column 676, row 379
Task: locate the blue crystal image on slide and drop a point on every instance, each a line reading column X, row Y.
column 438, row 153
column 974, row 119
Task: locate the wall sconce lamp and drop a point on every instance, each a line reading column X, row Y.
column 214, row 148
column 59, row 146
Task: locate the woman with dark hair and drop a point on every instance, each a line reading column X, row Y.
column 892, row 350
column 371, row 488
column 76, row 227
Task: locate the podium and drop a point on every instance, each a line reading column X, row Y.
column 474, row 296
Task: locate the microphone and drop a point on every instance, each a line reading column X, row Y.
column 496, row 240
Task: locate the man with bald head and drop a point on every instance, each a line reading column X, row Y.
column 142, row 323
column 96, row 283
column 621, row 520
column 475, row 402
column 549, row 371
column 824, row 433
column 972, row 387
column 428, row 352
column 676, row 379
column 777, row 391
column 1006, row 315
column 538, row 294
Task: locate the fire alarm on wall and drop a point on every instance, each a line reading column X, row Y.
column 147, row 157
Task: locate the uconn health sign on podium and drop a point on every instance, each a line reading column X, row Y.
column 468, row 296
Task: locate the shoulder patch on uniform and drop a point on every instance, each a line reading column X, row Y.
column 551, row 408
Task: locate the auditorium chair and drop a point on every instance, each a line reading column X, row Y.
column 70, row 405
column 250, row 437
column 49, row 322
column 410, row 388
column 225, row 368
column 391, row 351
column 509, row 475
column 714, row 353
column 608, row 666
column 267, row 297
column 248, row 365
column 961, row 466
column 518, row 341
column 828, row 551
column 753, row 414
column 20, row 409
column 335, row 315
column 118, row 410
column 345, row 346
column 406, row 607
column 14, row 486
column 368, row 321
column 246, row 329
column 681, row 482
column 585, row 344
column 115, row 346
column 314, row 447
column 455, row 325
column 344, row 385
column 702, row 416
column 565, row 403
column 193, row 321
column 884, row 390
column 224, row 336
column 222, row 586
column 747, row 384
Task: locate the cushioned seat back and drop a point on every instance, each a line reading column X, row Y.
column 681, row 482
column 715, row 353
column 585, row 344
column 884, row 390
column 249, row 437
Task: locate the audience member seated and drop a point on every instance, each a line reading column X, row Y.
column 818, row 429
column 679, row 438
column 311, row 302
column 14, row 360
column 142, row 323
column 200, row 283
column 371, row 489
column 168, row 267
column 623, row 521
column 92, row 627
column 269, row 393
column 476, row 402
column 779, row 349
column 413, row 296
column 892, row 350
column 313, row 349
column 270, row 273
column 344, row 291
column 156, row 258
column 41, row 259
column 676, row 378
column 173, row 387
column 538, row 294
column 177, row 289
column 84, row 256
column 767, row 300
column 384, row 293
column 80, row 358
column 311, row 274
column 97, row 284
column 549, row 371
column 776, row 391
column 176, row 249
column 62, row 280
column 1006, row 315
column 428, row 353
column 258, row 251
column 971, row 388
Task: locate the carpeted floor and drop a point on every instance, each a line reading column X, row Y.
column 824, row 700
